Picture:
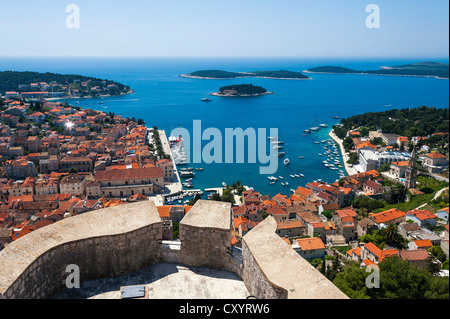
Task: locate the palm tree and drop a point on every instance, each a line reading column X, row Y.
column 391, row 234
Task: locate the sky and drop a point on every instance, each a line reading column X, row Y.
column 232, row 28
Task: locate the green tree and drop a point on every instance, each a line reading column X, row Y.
column 438, row 253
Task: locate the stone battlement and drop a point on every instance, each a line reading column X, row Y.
column 116, row 241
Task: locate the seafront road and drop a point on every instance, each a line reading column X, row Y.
column 350, row 170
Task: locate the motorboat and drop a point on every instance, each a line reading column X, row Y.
column 286, row 162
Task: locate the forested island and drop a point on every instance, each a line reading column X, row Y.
column 68, row 85
column 424, row 69
column 220, row 75
column 241, row 90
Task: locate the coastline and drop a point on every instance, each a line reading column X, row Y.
column 350, row 170
column 187, row 76
column 87, row 97
column 240, row 95
column 363, row 73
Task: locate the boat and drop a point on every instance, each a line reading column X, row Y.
column 187, row 174
column 280, row 177
column 316, row 142
column 315, row 129
column 296, row 175
column 292, row 176
column 301, row 175
column 320, row 154
column 281, row 154
column 286, row 162
column 286, row 184
column 282, row 184
column 336, row 117
column 271, row 183
column 199, row 169
column 271, row 138
column 277, row 147
column 301, row 157
column 224, row 184
column 188, row 185
column 206, row 99
column 307, row 131
column 323, row 125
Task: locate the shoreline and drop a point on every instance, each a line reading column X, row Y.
column 187, row 76
column 240, row 95
column 350, row 170
column 87, row 97
column 362, row 73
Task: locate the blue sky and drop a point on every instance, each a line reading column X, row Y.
column 233, row 28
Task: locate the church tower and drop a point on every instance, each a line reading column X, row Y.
column 411, row 171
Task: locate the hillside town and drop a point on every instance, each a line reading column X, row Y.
column 59, row 161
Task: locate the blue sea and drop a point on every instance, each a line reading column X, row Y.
column 165, row 100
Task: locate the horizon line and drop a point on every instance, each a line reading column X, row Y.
column 444, row 57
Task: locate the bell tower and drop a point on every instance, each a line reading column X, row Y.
column 411, row 171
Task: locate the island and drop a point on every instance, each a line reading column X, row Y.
column 221, row 75
column 423, row 69
column 52, row 85
column 241, row 90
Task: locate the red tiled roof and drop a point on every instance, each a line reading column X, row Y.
column 133, row 173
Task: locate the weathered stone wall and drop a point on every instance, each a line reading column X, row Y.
column 115, row 241
column 105, row 243
column 273, row 270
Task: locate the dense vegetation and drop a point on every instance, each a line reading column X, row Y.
column 219, row 74
column 420, row 121
column 10, row 81
column 418, row 69
column 243, row 89
column 398, row 280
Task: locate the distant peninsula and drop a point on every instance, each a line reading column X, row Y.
column 34, row 84
column 221, row 75
column 423, row 69
column 241, row 90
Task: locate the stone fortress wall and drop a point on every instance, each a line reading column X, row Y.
column 115, row 241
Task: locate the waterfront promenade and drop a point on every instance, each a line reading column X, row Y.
column 345, row 156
